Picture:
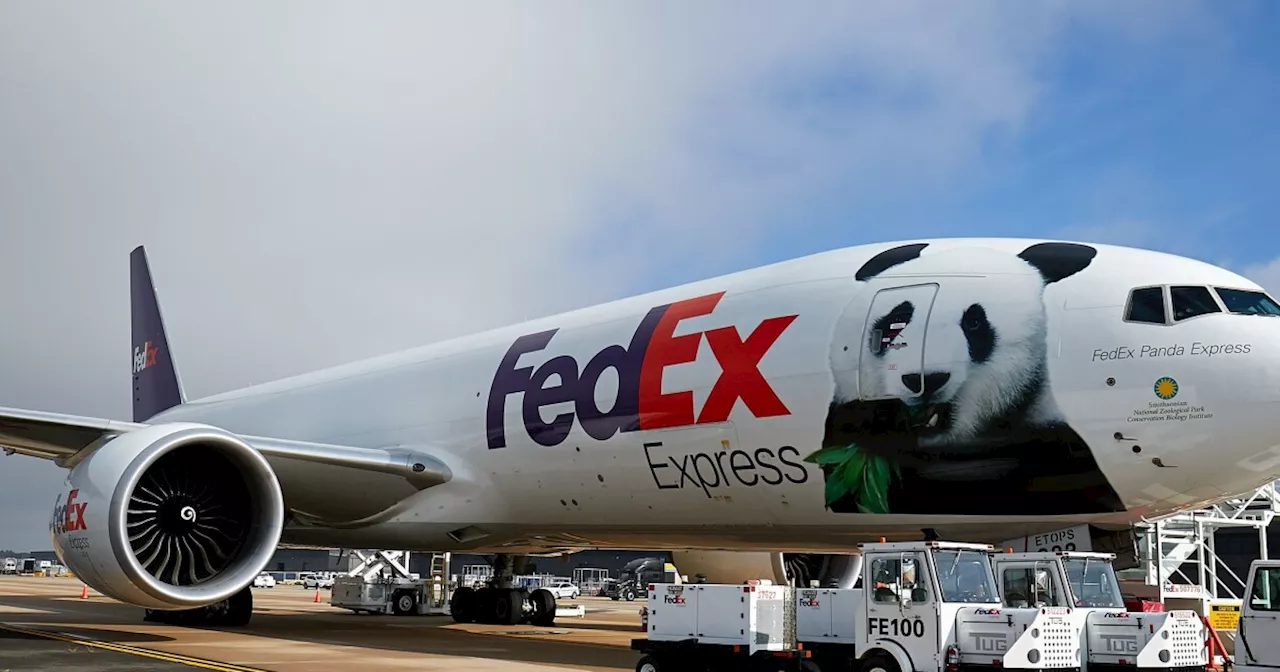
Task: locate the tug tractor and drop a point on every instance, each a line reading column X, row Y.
column 1112, row 638
column 931, row 606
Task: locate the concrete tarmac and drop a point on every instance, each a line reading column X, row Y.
column 45, row 625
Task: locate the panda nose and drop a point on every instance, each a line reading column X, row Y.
column 932, row 381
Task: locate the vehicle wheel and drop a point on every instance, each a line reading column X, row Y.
column 508, row 607
column 649, row 664
column 402, row 604
column 879, row 663
column 544, row 608
column 629, row 595
column 462, row 605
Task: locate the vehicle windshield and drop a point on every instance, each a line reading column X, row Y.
column 1093, row 583
column 1244, row 302
column 965, row 576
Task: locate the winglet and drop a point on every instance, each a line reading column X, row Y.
column 156, row 386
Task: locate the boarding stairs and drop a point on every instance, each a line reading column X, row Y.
column 1179, row 558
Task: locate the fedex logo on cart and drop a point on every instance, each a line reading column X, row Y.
column 641, row 403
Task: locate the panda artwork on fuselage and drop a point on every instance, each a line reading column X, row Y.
column 941, row 389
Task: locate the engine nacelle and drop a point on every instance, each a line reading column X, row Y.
column 172, row 516
column 798, row 569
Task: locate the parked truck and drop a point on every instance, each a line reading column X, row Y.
column 635, row 577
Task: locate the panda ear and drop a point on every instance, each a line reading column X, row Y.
column 1056, row 261
column 888, row 259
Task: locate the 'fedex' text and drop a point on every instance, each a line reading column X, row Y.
column 641, row 403
column 68, row 517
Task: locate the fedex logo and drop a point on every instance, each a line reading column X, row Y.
column 144, row 356
column 69, row 517
column 641, row 403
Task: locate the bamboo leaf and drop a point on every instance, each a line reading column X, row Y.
column 834, row 491
column 832, row 454
column 875, row 489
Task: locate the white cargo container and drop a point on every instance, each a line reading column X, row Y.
column 719, row 627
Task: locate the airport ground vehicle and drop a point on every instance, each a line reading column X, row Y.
column 720, row 627
column 1112, row 636
column 928, row 606
column 389, row 595
column 264, row 580
column 10, row 566
column 1258, row 634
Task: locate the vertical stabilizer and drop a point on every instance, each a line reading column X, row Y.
column 155, row 377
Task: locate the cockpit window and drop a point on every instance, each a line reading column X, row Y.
column 1247, row 302
column 1190, row 302
column 1146, row 304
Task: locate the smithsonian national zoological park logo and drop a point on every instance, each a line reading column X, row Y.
column 1166, row 388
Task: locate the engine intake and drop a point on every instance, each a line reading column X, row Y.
column 173, row 516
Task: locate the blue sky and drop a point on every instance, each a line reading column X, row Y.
column 329, row 181
column 1163, row 137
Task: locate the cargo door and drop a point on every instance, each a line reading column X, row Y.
column 893, row 359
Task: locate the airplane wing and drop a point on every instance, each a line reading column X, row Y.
column 66, row 439
column 55, row 436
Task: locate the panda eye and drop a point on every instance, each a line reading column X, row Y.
column 974, row 318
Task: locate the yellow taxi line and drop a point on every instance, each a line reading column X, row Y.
column 132, row 650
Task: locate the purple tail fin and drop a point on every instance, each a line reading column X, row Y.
column 156, row 386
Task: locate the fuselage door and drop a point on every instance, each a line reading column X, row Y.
column 892, row 364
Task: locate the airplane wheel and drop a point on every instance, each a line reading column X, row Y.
column 544, row 608
column 630, row 595
column 462, row 605
column 508, row 607
column 239, row 609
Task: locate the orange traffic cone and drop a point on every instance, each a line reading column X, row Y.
column 317, row 596
column 84, row 592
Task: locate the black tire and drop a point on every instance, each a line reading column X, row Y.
column 403, row 602
column 508, row 607
column 629, row 595
column 544, row 608
column 808, row 665
column 462, row 605
column 879, row 662
column 650, row 664
column 239, row 609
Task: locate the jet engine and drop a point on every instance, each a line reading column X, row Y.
column 797, row 569
column 174, row 516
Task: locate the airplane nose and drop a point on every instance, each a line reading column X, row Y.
column 932, row 381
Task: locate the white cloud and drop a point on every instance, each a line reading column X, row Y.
column 1266, row 275
column 318, row 182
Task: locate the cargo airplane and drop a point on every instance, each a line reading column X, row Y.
column 761, row 423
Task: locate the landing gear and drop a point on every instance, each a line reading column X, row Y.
column 233, row 612
column 500, row 604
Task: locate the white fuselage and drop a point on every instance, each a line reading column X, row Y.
column 622, row 426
